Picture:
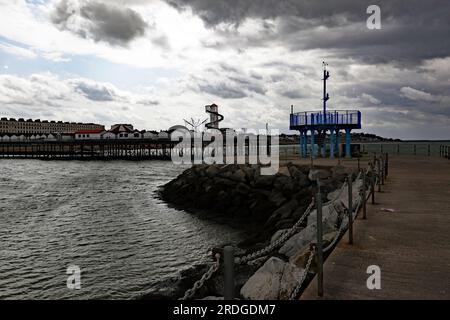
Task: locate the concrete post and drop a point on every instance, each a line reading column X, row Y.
column 319, row 246
column 347, row 143
column 386, row 165
column 228, row 262
column 364, row 190
column 379, row 174
column 350, row 208
column 372, row 185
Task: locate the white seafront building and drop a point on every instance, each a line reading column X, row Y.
column 12, row 130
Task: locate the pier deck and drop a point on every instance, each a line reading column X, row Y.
column 411, row 245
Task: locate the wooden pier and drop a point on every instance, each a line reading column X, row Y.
column 110, row 149
column 89, row 149
column 411, row 244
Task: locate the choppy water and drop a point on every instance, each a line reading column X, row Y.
column 100, row 216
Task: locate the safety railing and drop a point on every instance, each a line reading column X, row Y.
column 407, row 148
column 444, row 151
column 337, row 117
column 373, row 176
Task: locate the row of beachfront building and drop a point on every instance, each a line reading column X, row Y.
column 93, row 132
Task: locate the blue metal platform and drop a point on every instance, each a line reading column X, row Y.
column 338, row 119
column 323, row 122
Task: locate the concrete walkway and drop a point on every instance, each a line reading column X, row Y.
column 411, row 245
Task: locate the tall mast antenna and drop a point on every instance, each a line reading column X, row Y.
column 326, row 75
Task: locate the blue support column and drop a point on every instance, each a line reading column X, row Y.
column 300, row 144
column 338, row 149
column 347, row 143
column 312, row 144
column 332, row 144
column 305, row 143
column 323, row 147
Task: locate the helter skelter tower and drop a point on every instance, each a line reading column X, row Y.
column 319, row 123
column 214, row 116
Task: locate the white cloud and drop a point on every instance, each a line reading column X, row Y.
column 17, row 51
column 370, row 99
column 418, row 95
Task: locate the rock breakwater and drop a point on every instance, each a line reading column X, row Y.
column 270, row 205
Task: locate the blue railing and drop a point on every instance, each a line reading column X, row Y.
column 336, row 117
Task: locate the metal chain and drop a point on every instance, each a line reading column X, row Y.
column 280, row 241
column 295, row 292
column 342, row 226
column 332, row 243
column 206, row 276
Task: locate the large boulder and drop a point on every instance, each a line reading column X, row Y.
column 284, row 171
column 277, row 235
column 302, row 239
column 356, row 189
column 296, row 173
column 275, row 280
column 285, row 211
column 264, row 181
column 277, row 198
column 301, row 257
column 212, row 171
column 281, row 181
column 320, row 174
column 238, row 175
column 329, row 216
column 341, row 172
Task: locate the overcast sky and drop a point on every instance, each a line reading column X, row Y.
column 154, row 62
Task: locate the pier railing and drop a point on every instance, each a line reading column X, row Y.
column 375, row 175
column 417, row 148
column 444, row 151
column 337, row 117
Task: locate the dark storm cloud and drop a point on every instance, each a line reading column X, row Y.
column 231, row 85
column 94, row 91
column 223, row 90
column 411, row 30
column 99, row 21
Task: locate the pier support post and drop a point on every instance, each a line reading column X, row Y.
column 323, row 147
column 228, row 262
column 364, row 191
column 305, row 144
column 338, row 151
column 319, row 246
column 300, row 140
column 347, row 143
column 312, row 145
column 386, row 165
column 350, row 208
column 379, row 174
column 372, row 186
column 332, row 144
